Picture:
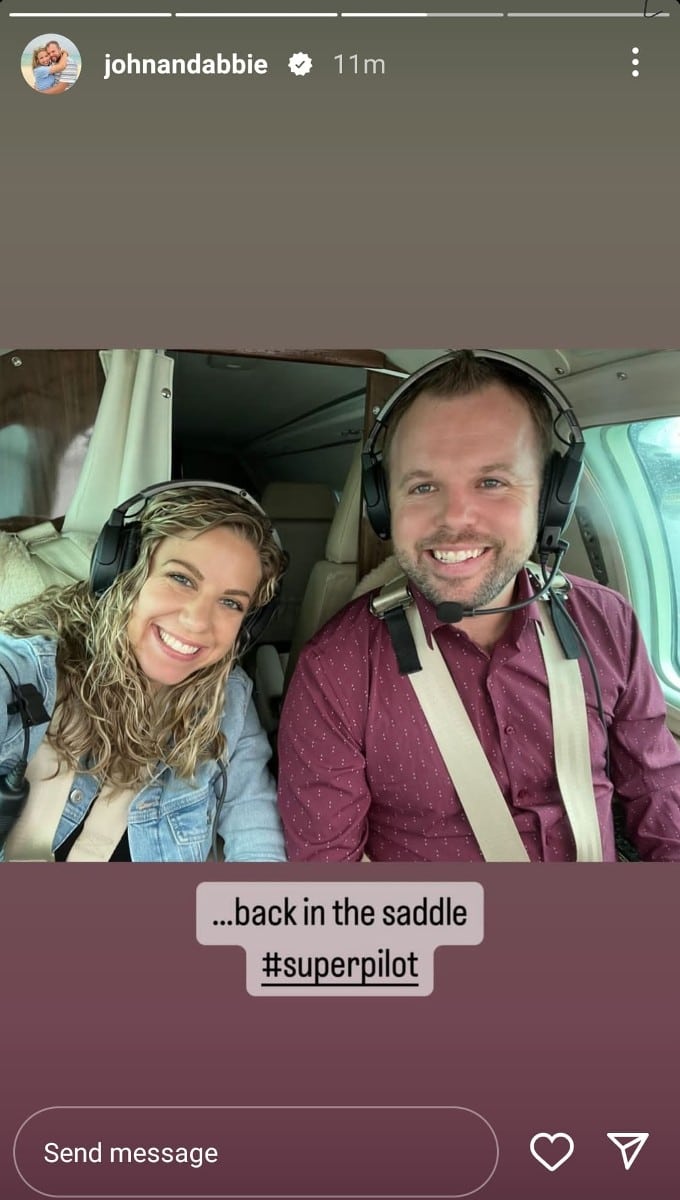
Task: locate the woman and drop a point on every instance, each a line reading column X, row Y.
column 153, row 746
column 46, row 73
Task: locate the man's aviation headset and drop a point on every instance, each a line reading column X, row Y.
column 118, row 545
column 562, row 473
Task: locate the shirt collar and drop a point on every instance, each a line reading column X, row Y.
column 518, row 623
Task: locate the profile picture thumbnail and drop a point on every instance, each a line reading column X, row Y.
column 51, row 64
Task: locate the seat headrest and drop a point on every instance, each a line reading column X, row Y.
column 384, row 573
column 343, row 536
column 298, row 502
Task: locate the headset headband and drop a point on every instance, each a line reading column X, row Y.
column 174, row 484
column 546, row 385
column 119, row 513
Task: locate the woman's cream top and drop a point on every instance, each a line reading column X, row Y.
column 32, row 835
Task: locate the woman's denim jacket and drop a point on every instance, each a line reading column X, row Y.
column 170, row 819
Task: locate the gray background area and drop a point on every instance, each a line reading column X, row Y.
column 504, row 178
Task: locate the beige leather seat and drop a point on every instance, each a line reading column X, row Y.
column 332, row 578
column 302, row 514
column 329, row 584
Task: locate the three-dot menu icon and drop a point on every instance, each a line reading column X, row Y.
column 635, row 61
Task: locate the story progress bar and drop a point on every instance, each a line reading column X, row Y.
column 348, row 15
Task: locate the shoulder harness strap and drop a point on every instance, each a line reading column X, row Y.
column 468, row 767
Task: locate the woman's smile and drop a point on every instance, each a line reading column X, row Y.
column 190, row 610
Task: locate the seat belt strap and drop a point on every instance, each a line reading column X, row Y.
column 480, row 796
column 571, row 742
column 468, row 767
column 390, row 605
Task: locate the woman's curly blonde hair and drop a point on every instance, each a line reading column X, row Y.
column 110, row 722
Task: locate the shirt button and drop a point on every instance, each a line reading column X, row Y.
column 522, row 794
column 75, row 795
column 510, row 729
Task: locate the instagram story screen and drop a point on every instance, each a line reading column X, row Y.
column 362, row 664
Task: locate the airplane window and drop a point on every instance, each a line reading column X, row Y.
column 657, row 444
column 638, row 467
column 48, row 403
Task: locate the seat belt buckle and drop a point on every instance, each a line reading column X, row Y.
column 392, row 597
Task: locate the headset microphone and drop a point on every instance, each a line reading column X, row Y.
column 450, row 612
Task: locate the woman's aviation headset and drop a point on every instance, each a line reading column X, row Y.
column 562, row 473
column 118, row 544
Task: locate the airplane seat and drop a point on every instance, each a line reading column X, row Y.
column 302, row 514
column 333, row 577
column 33, row 559
column 329, row 586
column 384, row 573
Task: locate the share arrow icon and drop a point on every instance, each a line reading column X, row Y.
column 630, row 1145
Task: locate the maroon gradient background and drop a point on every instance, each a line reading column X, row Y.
column 564, row 1019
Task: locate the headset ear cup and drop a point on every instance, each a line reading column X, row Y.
column 558, row 496
column 96, row 586
column 547, row 489
column 255, row 623
column 129, row 549
column 549, row 513
column 104, row 558
column 116, row 550
column 374, row 487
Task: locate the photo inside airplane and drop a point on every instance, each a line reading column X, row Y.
column 82, row 430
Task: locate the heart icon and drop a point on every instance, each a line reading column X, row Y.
column 550, row 1162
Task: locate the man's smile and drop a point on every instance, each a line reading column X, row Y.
column 456, row 556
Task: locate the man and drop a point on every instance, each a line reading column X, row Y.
column 360, row 772
column 46, row 74
column 66, row 64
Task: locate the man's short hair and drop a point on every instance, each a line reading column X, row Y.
column 464, row 373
